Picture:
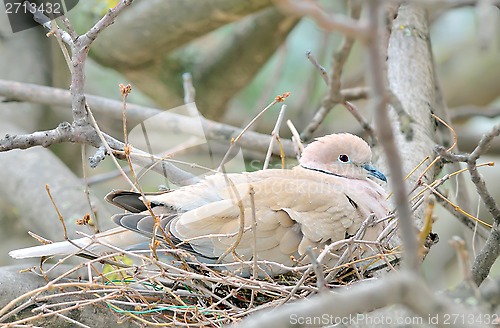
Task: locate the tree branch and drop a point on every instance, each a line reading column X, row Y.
column 334, row 95
column 491, row 250
column 24, row 176
column 406, row 288
column 329, row 21
column 16, row 91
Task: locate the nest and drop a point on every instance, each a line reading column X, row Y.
column 139, row 286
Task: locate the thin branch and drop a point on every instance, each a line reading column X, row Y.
column 65, row 132
column 212, row 130
column 364, row 124
column 328, row 21
column 275, row 136
column 321, row 69
column 104, row 22
column 334, row 95
column 466, row 112
column 491, row 250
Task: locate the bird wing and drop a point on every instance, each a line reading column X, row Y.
column 293, row 209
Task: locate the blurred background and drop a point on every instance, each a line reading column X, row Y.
column 241, row 55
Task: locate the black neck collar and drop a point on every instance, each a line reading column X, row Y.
column 322, row 171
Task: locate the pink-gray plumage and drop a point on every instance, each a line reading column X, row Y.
column 322, row 200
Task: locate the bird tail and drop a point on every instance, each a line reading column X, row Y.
column 118, row 237
column 59, row 248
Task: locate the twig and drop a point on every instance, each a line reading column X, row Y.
column 491, row 250
column 65, row 132
column 316, row 266
column 466, row 112
column 72, row 321
column 333, row 96
column 279, row 98
column 315, row 63
column 108, row 148
column 352, row 94
column 364, row 124
column 327, row 21
column 59, row 215
column 16, row 91
column 298, row 146
column 476, row 178
column 86, row 191
column 275, row 134
column 359, row 235
column 464, row 261
column 99, row 155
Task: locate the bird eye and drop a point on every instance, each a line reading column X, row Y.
column 343, row 158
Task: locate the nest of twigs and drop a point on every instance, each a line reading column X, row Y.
column 138, row 286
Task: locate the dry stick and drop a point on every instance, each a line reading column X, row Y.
column 86, row 191
column 235, row 280
column 491, row 250
column 59, row 215
column 463, row 216
column 311, row 82
column 72, row 321
column 359, row 235
column 455, row 141
column 279, row 98
column 108, row 148
column 241, row 229
column 478, row 181
column 466, row 112
column 69, row 27
column 464, row 262
column 364, row 124
column 17, row 91
column 315, row 63
column 47, row 287
column 316, row 266
column 125, row 91
column 456, row 207
column 117, row 293
column 333, row 96
column 295, row 139
column 328, row 21
column 274, row 136
column 255, row 266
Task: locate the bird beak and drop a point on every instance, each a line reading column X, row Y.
column 374, row 172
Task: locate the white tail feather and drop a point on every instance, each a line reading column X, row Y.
column 118, row 237
column 59, row 248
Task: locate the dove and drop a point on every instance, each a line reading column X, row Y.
column 274, row 215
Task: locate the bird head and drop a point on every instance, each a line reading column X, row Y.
column 341, row 154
